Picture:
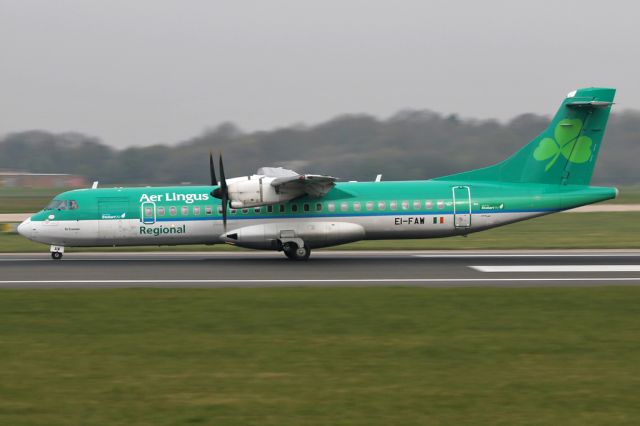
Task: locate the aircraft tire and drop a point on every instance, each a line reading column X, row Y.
column 295, row 252
column 56, row 255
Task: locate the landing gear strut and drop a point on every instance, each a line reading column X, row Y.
column 296, row 252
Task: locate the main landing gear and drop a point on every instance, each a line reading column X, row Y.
column 56, row 252
column 296, row 252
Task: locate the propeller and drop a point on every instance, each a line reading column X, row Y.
column 212, row 170
column 222, row 192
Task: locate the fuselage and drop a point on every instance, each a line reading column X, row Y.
column 349, row 212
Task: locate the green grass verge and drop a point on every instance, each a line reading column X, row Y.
column 559, row 231
column 368, row 356
column 25, row 200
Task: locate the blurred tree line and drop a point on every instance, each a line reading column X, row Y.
column 408, row 145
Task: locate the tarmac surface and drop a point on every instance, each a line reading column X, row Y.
column 566, row 268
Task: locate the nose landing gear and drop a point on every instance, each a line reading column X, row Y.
column 56, row 252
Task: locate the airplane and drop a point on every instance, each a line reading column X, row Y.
column 279, row 209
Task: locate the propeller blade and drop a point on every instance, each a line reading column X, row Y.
column 224, row 193
column 212, row 170
column 224, row 211
column 223, row 180
column 217, row 193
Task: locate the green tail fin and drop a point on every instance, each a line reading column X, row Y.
column 565, row 153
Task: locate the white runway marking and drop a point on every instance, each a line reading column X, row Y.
column 525, row 255
column 327, row 281
column 557, row 268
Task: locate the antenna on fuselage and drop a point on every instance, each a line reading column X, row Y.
column 95, row 185
column 378, row 178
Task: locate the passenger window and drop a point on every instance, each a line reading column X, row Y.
column 393, row 205
column 173, row 211
column 356, row 206
column 196, row 210
column 344, row 206
column 160, row 211
column 440, row 204
column 281, row 208
column 416, row 205
column 318, row 207
column 331, row 207
column 305, row 207
column 256, row 210
column 405, row 205
column 245, row 211
column 428, row 204
column 294, row 208
column 233, row 211
column 369, row 205
column 208, row 210
column 148, row 212
column 185, row 211
column 269, row 209
column 73, row 205
column 382, row 205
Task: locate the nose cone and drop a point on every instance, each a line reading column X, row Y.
column 24, row 228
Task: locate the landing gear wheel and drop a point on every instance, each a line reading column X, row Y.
column 56, row 255
column 295, row 252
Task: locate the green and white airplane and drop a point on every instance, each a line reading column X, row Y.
column 278, row 209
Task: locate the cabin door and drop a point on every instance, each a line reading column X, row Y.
column 148, row 213
column 461, row 206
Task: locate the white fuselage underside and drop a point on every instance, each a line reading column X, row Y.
column 132, row 232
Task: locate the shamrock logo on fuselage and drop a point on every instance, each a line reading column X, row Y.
column 567, row 142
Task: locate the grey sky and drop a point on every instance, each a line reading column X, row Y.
column 138, row 72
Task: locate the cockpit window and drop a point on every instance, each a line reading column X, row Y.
column 73, row 205
column 57, row 205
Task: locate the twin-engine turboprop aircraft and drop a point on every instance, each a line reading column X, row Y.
column 278, row 209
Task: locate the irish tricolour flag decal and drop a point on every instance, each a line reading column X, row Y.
column 438, row 220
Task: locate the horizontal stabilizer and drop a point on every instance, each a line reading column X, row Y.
column 588, row 104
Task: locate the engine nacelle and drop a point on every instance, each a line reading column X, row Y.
column 256, row 190
column 314, row 234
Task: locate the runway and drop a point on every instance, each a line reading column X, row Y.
column 325, row 268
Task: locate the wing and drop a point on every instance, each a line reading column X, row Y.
column 312, row 185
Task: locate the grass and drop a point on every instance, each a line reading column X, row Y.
column 368, row 356
column 559, row 231
column 25, row 200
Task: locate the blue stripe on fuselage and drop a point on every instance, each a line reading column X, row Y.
column 310, row 216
